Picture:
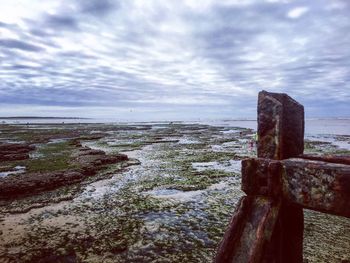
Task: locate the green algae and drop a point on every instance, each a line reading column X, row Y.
column 53, row 157
column 127, row 223
column 133, row 226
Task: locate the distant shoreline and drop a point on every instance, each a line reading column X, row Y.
column 36, row 117
column 140, row 121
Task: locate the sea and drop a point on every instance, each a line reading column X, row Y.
column 334, row 126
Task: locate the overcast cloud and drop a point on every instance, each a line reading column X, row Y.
column 168, row 59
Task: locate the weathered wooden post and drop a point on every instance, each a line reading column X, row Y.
column 281, row 136
column 267, row 226
column 264, row 227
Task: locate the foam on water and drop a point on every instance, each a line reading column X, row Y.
column 17, row 170
column 333, row 139
column 233, row 166
column 182, row 196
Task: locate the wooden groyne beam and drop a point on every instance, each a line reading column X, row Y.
column 268, row 223
column 249, row 231
column 315, row 185
column 342, row 159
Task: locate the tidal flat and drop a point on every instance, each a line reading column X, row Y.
column 142, row 192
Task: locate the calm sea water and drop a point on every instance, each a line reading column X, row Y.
column 312, row 126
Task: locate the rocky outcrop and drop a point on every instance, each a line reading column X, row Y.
column 28, row 184
column 77, row 141
column 90, row 160
column 87, row 161
column 15, row 151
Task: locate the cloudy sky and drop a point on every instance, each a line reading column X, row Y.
column 172, row 59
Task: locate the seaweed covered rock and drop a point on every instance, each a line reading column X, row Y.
column 15, row 151
column 87, row 162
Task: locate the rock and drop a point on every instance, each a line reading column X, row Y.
column 15, row 147
column 88, row 151
column 94, row 137
column 14, row 157
column 88, row 170
column 97, row 157
column 88, row 160
column 121, row 157
column 15, row 151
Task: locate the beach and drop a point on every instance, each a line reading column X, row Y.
column 142, row 192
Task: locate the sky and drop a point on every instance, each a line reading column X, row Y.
column 172, row 59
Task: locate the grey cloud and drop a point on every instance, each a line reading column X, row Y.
column 21, row 45
column 61, row 22
column 19, row 67
column 98, row 7
column 2, row 24
column 76, row 55
column 171, row 58
column 40, row 33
